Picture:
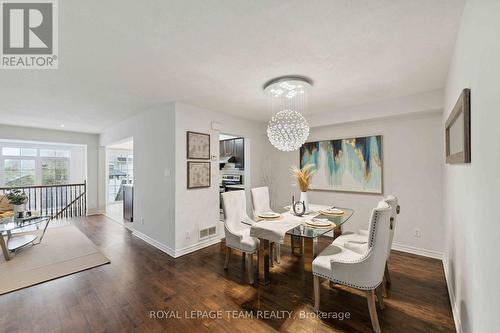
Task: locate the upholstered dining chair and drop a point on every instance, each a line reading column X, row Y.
column 356, row 239
column 238, row 234
column 360, row 268
column 261, row 204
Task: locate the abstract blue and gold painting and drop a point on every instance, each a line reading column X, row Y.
column 353, row 165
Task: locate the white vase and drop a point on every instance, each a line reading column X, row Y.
column 305, row 199
column 18, row 209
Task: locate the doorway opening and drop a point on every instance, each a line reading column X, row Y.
column 234, row 166
column 120, row 181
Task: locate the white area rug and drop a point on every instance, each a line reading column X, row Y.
column 63, row 251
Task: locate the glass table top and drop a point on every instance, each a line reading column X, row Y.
column 305, row 230
column 9, row 223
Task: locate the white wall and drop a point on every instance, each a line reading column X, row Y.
column 412, row 157
column 472, row 190
column 78, row 165
column 154, row 172
column 199, row 208
column 91, row 141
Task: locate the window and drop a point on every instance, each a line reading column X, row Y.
column 19, row 172
column 120, row 172
column 54, row 171
column 6, row 151
column 29, row 152
column 28, row 165
column 47, row 153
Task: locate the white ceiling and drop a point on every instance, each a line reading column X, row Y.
column 118, row 57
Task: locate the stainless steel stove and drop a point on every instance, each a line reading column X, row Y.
column 229, row 180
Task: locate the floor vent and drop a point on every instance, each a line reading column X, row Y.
column 208, row 232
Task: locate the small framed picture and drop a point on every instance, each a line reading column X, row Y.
column 198, row 174
column 458, row 144
column 198, row 146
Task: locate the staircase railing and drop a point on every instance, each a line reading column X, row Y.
column 56, row 201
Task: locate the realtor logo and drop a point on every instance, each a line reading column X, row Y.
column 29, row 34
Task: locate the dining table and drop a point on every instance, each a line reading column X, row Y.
column 273, row 230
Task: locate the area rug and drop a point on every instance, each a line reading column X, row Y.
column 63, row 251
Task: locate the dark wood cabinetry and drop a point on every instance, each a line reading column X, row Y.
column 234, row 147
column 128, row 202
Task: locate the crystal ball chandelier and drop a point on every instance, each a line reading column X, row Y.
column 288, row 129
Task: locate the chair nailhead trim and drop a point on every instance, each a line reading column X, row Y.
column 347, row 283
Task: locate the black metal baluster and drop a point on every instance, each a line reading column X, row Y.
column 66, row 201
column 85, row 198
column 74, row 204
column 46, row 201
column 81, row 201
column 51, row 201
column 79, row 207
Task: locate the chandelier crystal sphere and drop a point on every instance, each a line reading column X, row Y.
column 288, row 128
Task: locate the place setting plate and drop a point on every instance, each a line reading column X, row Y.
column 332, row 212
column 319, row 223
column 269, row 216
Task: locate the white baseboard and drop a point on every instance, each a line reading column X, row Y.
column 175, row 253
column 417, row 251
column 160, row 246
column 91, row 212
column 197, row 246
column 454, row 309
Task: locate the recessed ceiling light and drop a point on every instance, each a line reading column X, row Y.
column 62, row 125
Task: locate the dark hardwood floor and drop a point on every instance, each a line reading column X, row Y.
column 119, row 297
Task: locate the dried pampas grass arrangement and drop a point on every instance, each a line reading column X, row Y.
column 303, row 176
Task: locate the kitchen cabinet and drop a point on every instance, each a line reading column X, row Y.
column 236, row 148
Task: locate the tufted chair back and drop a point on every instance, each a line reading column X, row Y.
column 378, row 240
column 393, row 202
column 260, row 200
column 367, row 272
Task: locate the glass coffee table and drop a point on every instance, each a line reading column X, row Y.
column 11, row 226
column 305, row 235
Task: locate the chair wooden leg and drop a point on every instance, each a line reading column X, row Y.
column 384, row 291
column 271, row 254
column 316, row 293
column 370, row 297
column 380, row 299
column 250, row 268
column 278, row 253
column 228, row 253
column 387, row 275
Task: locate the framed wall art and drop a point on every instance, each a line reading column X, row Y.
column 349, row 165
column 198, row 174
column 198, row 145
column 458, row 145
